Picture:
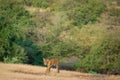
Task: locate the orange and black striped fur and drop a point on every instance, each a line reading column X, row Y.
column 50, row 63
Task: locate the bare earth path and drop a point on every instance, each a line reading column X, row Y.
column 28, row 72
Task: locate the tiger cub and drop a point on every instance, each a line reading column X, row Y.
column 50, row 63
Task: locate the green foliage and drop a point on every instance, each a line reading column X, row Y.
column 92, row 72
column 103, row 58
column 11, row 15
column 36, row 3
column 14, row 60
column 56, row 48
column 33, row 53
column 15, row 54
column 14, row 46
column 83, row 11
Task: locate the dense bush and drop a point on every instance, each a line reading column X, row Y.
column 103, row 58
column 83, row 11
column 60, row 49
column 36, row 3
column 13, row 40
column 31, row 50
column 10, row 30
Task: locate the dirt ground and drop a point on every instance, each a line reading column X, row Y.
column 29, row 72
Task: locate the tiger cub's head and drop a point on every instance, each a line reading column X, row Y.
column 45, row 61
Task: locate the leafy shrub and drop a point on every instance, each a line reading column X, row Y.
column 32, row 52
column 83, row 12
column 56, row 48
column 36, row 3
column 14, row 20
column 13, row 60
column 103, row 58
column 10, row 15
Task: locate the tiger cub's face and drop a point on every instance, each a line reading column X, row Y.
column 45, row 61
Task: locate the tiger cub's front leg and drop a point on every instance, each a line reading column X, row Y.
column 48, row 68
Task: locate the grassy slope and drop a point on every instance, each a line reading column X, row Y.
column 28, row 72
column 89, row 35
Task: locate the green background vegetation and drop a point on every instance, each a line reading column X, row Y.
column 86, row 29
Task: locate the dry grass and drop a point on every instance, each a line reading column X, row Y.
column 29, row 72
